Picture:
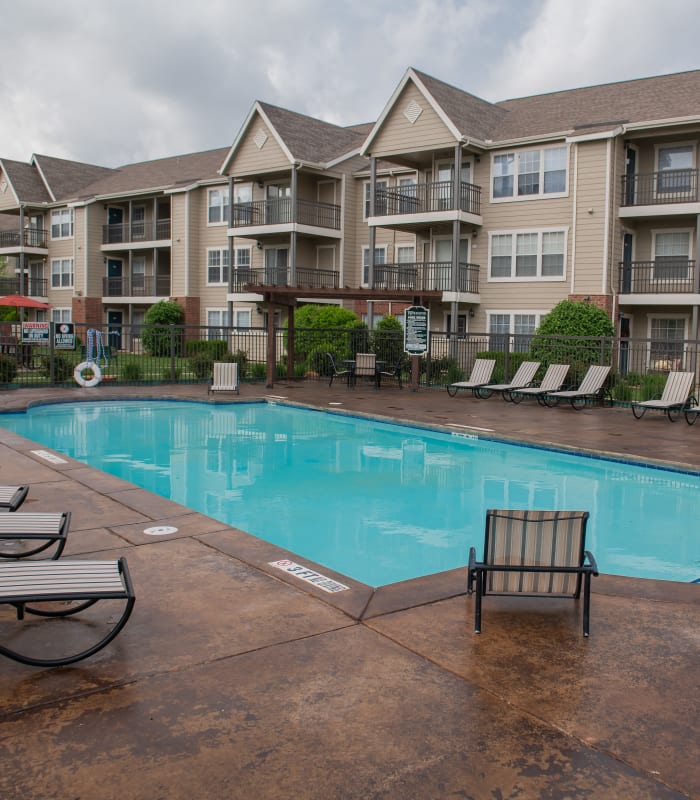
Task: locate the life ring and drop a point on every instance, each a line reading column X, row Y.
column 96, row 374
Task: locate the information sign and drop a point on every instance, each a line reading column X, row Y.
column 35, row 333
column 416, row 327
column 64, row 336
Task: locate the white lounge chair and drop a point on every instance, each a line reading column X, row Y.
column 12, row 497
column 481, row 375
column 225, row 377
column 591, row 388
column 26, row 534
column 553, row 381
column 674, row 398
column 523, row 377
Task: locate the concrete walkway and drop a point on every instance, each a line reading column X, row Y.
column 235, row 680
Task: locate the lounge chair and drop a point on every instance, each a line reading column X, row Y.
column 75, row 585
column 523, row 377
column 531, row 554
column 225, row 377
column 366, row 367
column 33, row 532
column 591, row 388
column 480, row 376
column 338, row 373
column 553, row 381
column 393, row 372
column 12, row 497
column 692, row 412
column 674, row 398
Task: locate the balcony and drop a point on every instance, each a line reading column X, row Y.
column 33, row 287
column 307, row 278
column 280, row 212
column 667, row 187
column 136, row 232
column 29, row 237
column 663, row 276
column 137, row 286
column 423, row 198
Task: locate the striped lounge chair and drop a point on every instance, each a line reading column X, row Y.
column 26, row 534
column 533, row 553
column 480, row 376
column 12, row 497
column 225, row 377
column 68, row 587
column 675, row 398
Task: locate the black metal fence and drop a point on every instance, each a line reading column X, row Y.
column 185, row 354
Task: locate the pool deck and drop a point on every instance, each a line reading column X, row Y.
column 235, row 680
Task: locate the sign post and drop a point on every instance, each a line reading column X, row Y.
column 416, row 332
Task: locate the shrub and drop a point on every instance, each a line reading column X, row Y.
column 554, row 340
column 240, row 357
column 8, row 369
column 258, row 370
column 62, row 367
column 167, row 376
column 131, row 370
column 156, row 333
column 216, row 348
column 202, row 365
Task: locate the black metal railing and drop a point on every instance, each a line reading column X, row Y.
column 125, row 233
column 427, row 276
column 420, row 198
column 29, row 237
column 662, row 276
column 281, row 211
column 33, row 287
column 659, row 188
column 137, row 286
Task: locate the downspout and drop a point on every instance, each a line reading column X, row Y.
column 187, row 244
column 372, row 238
column 341, row 254
column 606, row 221
column 293, row 236
column 454, row 269
column 573, row 223
column 21, row 250
column 85, row 251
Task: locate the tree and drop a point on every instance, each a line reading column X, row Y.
column 156, row 332
column 576, row 333
column 316, row 333
column 387, row 339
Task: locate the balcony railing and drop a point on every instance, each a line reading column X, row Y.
column 278, row 212
column 663, row 276
column 29, row 237
column 126, row 233
column 137, row 286
column 660, row 188
column 33, row 287
column 420, row 198
column 428, row 276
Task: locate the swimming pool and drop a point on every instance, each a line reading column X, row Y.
column 378, row 502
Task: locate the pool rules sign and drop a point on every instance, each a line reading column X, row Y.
column 415, row 330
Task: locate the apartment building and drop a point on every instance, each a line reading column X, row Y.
column 487, row 213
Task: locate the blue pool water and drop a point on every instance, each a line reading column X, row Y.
column 377, row 502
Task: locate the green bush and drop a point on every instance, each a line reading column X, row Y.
column 156, row 333
column 131, row 370
column 167, row 376
column 202, row 365
column 216, row 348
column 652, row 386
column 8, row 369
column 240, row 357
column 62, row 367
column 258, row 370
column 572, row 333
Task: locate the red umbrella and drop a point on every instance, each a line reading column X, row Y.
column 20, row 301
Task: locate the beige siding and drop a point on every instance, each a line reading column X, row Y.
column 249, row 159
column 398, row 135
column 94, row 216
column 7, row 198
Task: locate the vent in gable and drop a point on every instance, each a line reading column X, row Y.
column 260, row 139
column 412, row 112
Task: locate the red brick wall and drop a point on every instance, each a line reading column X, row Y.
column 603, row 301
column 87, row 311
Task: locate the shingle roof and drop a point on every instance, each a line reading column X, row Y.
column 66, row 177
column 312, row 140
column 26, row 182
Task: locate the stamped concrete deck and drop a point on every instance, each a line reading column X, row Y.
column 233, row 680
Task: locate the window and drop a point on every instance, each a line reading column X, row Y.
column 242, row 256
column 379, row 259
column 138, row 275
column 539, row 173
column 529, row 255
column 61, row 273
column 62, row 223
column 217, row 266
column 61, row 314
column 671, row 255
column 218, row 206
column 380, row 190
column 675, row 169
column 667, row 339
column 406, row 254
column 217, row 320
column 242, row 317
column 516, row 328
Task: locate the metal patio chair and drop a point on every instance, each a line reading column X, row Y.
column 337, row 373
column 481, row 375
column 523, row 377
column 532, row 554
column 553, row 381
column 674, row 399
column 591, row 388
column 12, row 497
column 27, row 534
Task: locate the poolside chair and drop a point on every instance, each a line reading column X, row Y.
column 674, row 398
column 553, row 381
column 337, row 373
column 692, row 411
column 522, row 378
column 591, row 388
column 26, row 534
column 12, row 497
column 225, row 377
column 366, row 367
column 531, row 554
column 393, row 372
column 481, row 375
column 75, row 586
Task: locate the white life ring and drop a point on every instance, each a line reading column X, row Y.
column 96, row 374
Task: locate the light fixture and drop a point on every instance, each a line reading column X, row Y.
column 471, row 312
column 260, row 184
column 258, row 245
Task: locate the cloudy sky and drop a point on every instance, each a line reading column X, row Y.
column 113, row 83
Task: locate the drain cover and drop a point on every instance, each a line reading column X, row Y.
column 160, row 530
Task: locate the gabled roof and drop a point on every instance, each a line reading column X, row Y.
column 302, row 138
column 25, row 182
column 63, row 178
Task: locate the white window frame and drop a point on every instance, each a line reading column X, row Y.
column 220, row 324
column 366, row 196
column 61, row 314
column 239, row 314
column 661, row 192
column 365, row 261
column 222, row 266
column 539, row 314
column 515, row 196
column 61, row 272
column 655, row 233
column 59, row 221
column 217, row 212
column 665, row 364
column 538, row 276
